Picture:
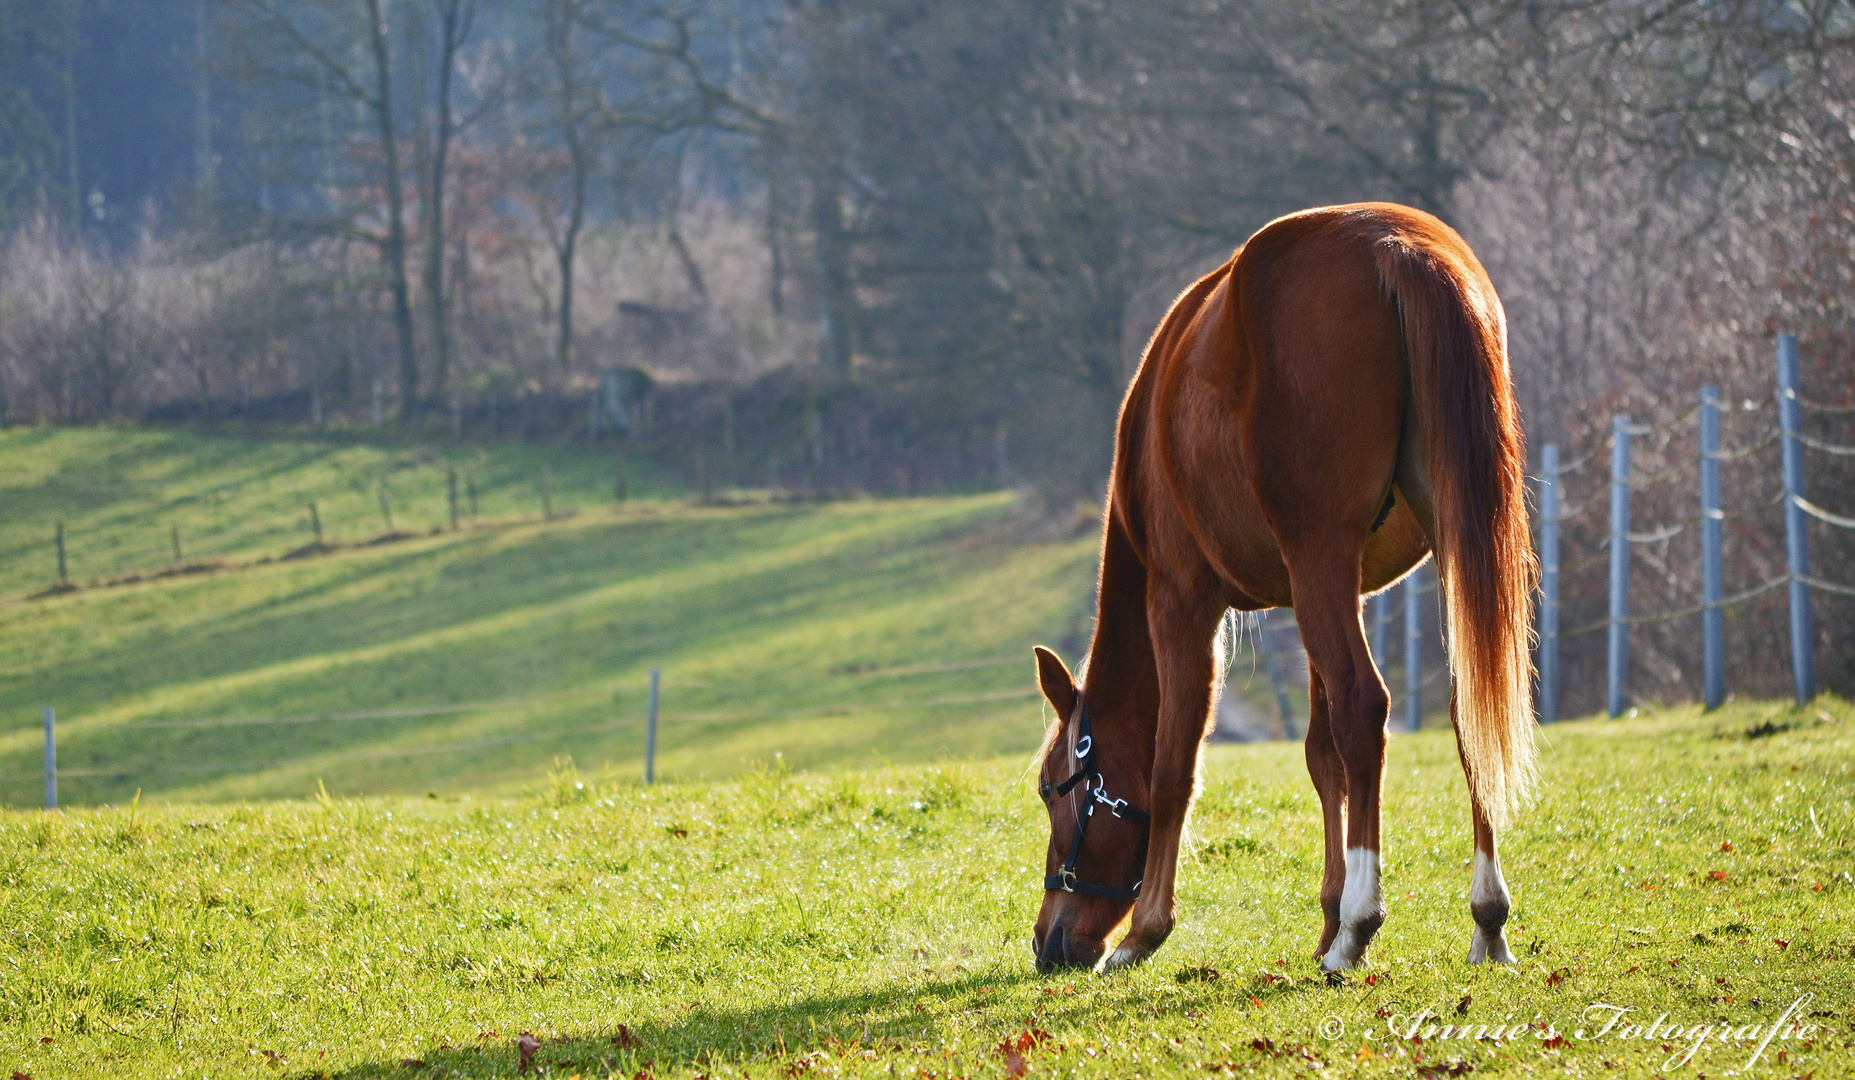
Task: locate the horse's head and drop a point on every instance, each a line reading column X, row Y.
column 1095, row 860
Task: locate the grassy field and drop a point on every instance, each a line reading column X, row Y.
column 854, row 632
column 876, row 923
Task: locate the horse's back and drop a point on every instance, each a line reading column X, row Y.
column 1279, row 391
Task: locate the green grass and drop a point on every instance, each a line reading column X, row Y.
column 876, row 923
column 848, row 633
column 122, row 492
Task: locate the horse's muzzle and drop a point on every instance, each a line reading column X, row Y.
column 1060, row 950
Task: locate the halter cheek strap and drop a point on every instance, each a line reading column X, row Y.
column 1088, row 775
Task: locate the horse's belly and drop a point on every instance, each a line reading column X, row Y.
column 1394, row 550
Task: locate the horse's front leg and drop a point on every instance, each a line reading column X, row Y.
column 1182, row 623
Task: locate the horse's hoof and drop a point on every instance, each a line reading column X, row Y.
column 1483, row 949
column 1333, row 963
column 1337, row 978
column 1125, row 957
column 1344, row 956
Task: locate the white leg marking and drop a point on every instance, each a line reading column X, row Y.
column 1362, row 908
column 1488, row 890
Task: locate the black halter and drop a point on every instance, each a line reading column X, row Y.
column 1065, row 880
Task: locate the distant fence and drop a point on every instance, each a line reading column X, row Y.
column 52, row 773
column 1710, row 514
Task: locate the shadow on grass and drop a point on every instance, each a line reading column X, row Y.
column 499, row 622
column 712, row 1037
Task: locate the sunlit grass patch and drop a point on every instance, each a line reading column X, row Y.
column 876, row 923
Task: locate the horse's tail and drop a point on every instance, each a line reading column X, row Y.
column 1455, row 335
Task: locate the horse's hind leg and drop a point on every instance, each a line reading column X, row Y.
column 1327, row 607
column 1488, row 898
column 1329, row 776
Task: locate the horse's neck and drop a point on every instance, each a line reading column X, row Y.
column 1122, row 678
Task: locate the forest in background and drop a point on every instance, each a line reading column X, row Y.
column 890, row 245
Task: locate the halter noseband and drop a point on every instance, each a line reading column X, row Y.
column 1089, row 776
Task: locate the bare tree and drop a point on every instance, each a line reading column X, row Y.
column 313, row 47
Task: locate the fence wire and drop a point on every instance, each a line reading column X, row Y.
column 1837, row 449
column 1818, row 406
column 1821, row 514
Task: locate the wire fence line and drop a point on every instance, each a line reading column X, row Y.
column 694, row 716
column 1615, row 546
column 944, row 701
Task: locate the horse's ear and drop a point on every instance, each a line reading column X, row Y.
column 1058, row 685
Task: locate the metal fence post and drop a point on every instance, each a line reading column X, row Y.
column 1619, row 658
column 1413, row 649
column 1549, row 585
column 58, row 538
column 1275, row 674
column 1712, row 617
column 1790, row 419
column 1381, row 628
column 650, row 735
column 51, row 761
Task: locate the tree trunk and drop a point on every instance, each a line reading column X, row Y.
column 836, row 344
column 453, row 26
column 394, row 248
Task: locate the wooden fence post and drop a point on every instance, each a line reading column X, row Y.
column 450, row 482
column 470, row 490
column 51, row 761
column 386, row 511
column 1413, row 649
column 63, row 577
column 650, row 734
column 315, row 521
column 1617, row 687
column 618, row 484
column 547, row 492
column 1549, row 584
column 173, row 535
column 1712, row 616
column 1790, row 419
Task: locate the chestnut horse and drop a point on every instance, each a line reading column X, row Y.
column 1310, row 421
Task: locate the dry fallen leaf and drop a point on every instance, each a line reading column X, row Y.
column 527, row 1045
column 1015, row 1065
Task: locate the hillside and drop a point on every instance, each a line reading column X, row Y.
column 447, row 660
column 876, row 923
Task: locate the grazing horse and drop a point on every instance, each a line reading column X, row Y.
column 1310, row 421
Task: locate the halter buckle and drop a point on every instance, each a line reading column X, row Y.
column 1084, row 745
column 1113, row 805
column 1068, row 877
